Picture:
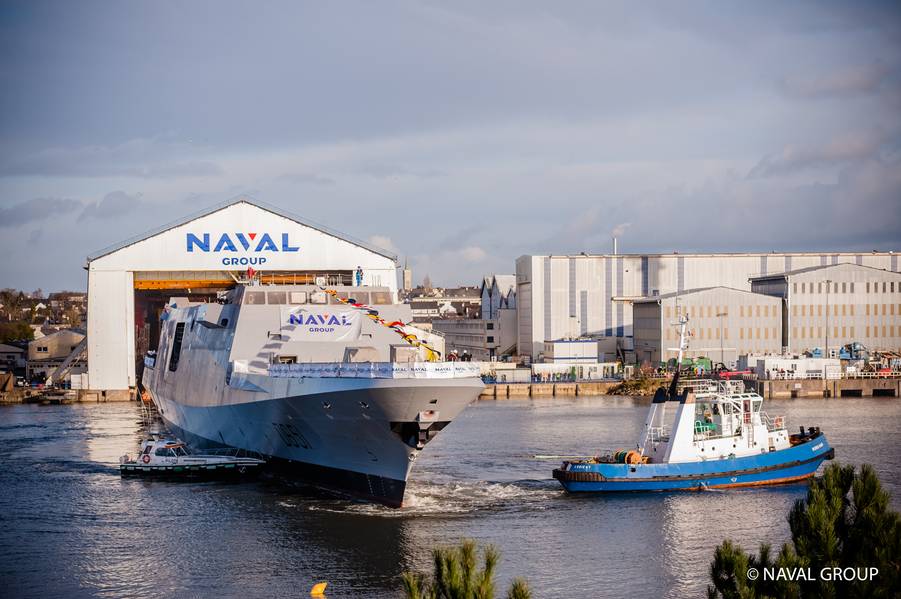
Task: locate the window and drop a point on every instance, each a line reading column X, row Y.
column 891, row 287
column 318, row 297
column 883, row 287
column 276, row 297
column 883, row 330
column 819, row 287
column 820, row 310
column 844, row 288
column 835, row 309
column 766, row 333
column 883, row 309
column 758, row 311
column 741, row 333
column 794, row 288
column 851, row 309
column 489, row 339
column 868, row 286
column 844, row 309
column 868, row 310
column 803, row 310
column 255, row 297
column 852, row 286
column 42, row 349
column 852, row 332
column 757, row 333
column 297, row 297
column 381, row 297
column 868, row 332
column 176, row 346
column 844, row 332
column 162, row 452
column 836, row 288
column 741, row 311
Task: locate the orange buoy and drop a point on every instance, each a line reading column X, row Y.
column 318, row 589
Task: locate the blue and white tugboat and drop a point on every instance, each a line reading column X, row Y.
column 718, row 437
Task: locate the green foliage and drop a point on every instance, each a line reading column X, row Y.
column 15, row 331
column 457, row 576
column 844, row 522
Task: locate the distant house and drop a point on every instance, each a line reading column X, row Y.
column 47, row 353
column 11, row 357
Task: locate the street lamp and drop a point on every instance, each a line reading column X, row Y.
column 828, row 285
column 721, row 315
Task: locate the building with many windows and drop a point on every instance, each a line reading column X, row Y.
column 724, row 323
column 592, row 295
column 831, row 306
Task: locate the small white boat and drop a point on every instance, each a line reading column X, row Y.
column 162, row 456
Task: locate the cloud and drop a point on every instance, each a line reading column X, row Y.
column 36, row 210
column 307, row 178
column 384, row 242
column 849, row 81
column 473, row 253
column 145, row 158
column 849, row 147
column 620, row 229
column 113, row 205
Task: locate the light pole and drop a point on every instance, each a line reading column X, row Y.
column 828, row 285
column 721, row 315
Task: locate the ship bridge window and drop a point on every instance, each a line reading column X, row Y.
column 297, row 297
column 276, row 297
column 176, row 346
column 164, row 452
column 381, row 297
column 255, row 297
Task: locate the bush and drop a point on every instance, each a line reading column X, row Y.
column 455, row 576
column 844, row 522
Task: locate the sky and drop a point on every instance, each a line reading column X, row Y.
column 458, row 135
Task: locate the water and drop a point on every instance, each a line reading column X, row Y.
column 69, row 525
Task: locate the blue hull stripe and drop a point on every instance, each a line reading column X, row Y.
column 785, row 465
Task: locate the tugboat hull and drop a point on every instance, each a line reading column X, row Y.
column 777, row 467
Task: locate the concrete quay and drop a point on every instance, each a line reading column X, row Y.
column 845, row 387
column 21, row 395
column 564, row 389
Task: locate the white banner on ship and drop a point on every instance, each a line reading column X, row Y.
column 376, row 370
column 326, row 323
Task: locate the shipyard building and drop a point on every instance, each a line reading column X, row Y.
column 568, row 297
column 829, row 307
column 130, row 284
column 724, row 323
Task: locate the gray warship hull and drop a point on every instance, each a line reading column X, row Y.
column 356, row 437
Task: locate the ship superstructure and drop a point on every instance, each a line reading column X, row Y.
column 328, row 385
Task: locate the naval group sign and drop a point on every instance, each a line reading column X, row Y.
column 255, row 246
column 326, row 323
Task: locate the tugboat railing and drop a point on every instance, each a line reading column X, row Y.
column 774, row 423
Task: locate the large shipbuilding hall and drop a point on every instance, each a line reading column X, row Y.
column 198, row 256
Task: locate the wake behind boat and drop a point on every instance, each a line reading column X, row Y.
column 719, row 437
column 329, row 386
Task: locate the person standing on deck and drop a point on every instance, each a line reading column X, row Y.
column 358, row 275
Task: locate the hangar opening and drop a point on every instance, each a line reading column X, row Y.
column 130, row 284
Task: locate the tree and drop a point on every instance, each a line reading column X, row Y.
column 15, row 331
column 12, row 301
column 844, row 522
column 456, row 576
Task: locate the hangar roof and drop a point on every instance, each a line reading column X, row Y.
column 241, row 199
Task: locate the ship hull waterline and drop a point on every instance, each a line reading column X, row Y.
column 786, row 466
column 344, row 440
